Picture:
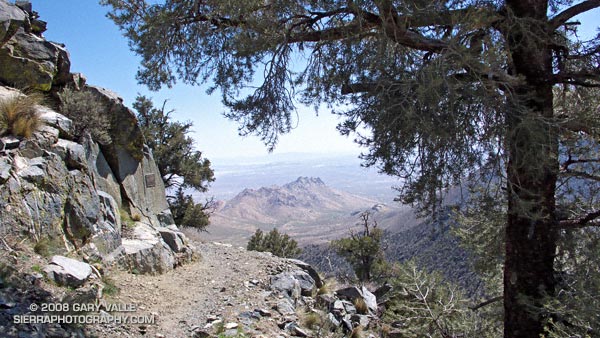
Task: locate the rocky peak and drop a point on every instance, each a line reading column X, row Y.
column 305, row 183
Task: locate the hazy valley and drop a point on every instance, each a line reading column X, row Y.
column 313, row 198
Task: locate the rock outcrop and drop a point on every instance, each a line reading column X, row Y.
column 105, row 201
column 27, row 59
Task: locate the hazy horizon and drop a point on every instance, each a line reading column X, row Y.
column 339, row 171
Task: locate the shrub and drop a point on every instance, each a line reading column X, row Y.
column 19, row 115
column 87, row 116
column 110, row 287
column 428, row 305
column 311, row 320
column 278, row 244
column 356, row 332
column 127, row 220
column 48, row 246
column 41, row 247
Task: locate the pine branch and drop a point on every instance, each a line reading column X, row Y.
column 580, row 174
column 590, row 219
column 562, row 17
column 586, row 78
column 571, row 161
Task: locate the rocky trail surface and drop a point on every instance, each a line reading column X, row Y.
column 228, row 292
column 227, row 287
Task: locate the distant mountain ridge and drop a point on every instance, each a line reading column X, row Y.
column 338, row 171
column 299, row 199
column 307, row 209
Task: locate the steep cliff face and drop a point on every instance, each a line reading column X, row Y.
column 104, row 201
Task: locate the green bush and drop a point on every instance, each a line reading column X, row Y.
column 19, row 115
column 278, row 244
column 110, row 287
column 87, row 116
column 127, row 220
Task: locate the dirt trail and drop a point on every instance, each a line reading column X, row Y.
column 227, row 284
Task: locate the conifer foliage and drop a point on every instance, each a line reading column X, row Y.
column 363, row 249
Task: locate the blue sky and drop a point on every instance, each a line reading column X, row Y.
column 101, row 53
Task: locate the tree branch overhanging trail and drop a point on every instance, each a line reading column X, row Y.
column 399, row 27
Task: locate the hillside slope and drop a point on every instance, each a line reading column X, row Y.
column 230, row 292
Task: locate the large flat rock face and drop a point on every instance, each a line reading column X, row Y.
column 105, row 179
column 124, row 130
column 142, row 184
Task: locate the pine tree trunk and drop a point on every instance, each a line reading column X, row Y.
column 532, row 143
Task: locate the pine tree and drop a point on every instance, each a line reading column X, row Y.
column 363, row 249
column 428, row 306
column 436, row 90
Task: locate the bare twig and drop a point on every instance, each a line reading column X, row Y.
column 8, row 248
column 487, row 302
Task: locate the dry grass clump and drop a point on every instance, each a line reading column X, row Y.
column 356, row 332
column 361, row 306
column 329, row 285
column 311, row 320
column 19, row 115
column 323, row 290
